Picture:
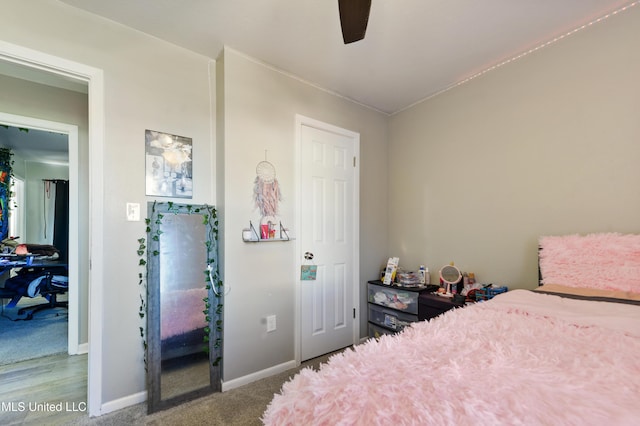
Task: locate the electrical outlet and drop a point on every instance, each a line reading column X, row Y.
column 271, row 323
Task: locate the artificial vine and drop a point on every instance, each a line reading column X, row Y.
column 142, row 284
column 6, row 168
column 213, row 283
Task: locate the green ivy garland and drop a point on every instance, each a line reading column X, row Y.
column 142, row 284
column 210, row 217
column 6, row 165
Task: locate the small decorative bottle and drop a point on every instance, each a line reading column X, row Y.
column 267, row 229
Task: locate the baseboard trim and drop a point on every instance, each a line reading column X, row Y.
column 120, row 403
column 262, row 374
column 83, row 348
column 139, row 397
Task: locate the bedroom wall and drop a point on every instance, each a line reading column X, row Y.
column 545, row 145
column 148, row 84
column 258, row 113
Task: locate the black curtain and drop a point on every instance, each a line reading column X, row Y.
column 61, row 219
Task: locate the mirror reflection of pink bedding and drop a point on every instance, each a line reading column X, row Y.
column 521, row 358
column 181, row 311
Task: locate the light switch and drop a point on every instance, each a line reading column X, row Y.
column 133, row 212
column 271, row 323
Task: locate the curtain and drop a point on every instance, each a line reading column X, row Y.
column 61, row 218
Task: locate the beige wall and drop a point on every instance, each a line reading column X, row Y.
column 260, row 106
column 548, row 144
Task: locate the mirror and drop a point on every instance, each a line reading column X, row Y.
column 184, row 304
column 450, row 275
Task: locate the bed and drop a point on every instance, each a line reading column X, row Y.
column 564, row 353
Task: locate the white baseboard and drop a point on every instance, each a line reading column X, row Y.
column 124, row 402
column 83, row 348
column 249, row 378
column 139, row 397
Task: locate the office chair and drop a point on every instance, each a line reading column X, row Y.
column 33, row 282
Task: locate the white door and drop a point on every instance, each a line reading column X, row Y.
column 328, row 214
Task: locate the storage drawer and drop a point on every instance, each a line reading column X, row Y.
column 389, row 318
column 393, row 297
column 375, row 331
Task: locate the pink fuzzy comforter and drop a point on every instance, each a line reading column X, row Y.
column 522, row 358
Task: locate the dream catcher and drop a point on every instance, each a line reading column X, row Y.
column 266, row 195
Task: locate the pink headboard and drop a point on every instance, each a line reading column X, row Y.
column 608, row 261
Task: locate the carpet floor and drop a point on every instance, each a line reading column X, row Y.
column 45, row 334
column 242, row 406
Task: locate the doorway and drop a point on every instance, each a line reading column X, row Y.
column 328, row 176
column 59, row 69
column 75, row 345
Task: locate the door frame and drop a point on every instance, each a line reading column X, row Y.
column 301, row 120
column 95, row 79
column 73, row 333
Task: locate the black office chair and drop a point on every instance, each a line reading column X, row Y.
column 7, row 294
column 34, row 282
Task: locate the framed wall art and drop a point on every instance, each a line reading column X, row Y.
column 169, row 163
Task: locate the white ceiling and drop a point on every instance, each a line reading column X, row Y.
column 413, row 49
column 36, row 145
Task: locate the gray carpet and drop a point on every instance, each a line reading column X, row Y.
column 242, row 406
column 45, row 334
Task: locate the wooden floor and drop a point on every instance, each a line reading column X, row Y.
column 50, row 390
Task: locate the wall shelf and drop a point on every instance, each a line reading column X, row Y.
column 250, row 235
column 270, row 240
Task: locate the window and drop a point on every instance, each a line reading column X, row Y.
column 16, row 209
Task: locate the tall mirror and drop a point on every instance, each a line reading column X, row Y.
column 184, row 332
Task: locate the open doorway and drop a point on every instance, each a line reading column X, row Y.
column 56, row 72
column 35, row 320
column 58, row 161
column 62, row 71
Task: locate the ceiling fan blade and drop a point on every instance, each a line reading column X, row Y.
column 354, row 16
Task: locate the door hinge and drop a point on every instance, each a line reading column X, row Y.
column 354, row 313
column 354, row 161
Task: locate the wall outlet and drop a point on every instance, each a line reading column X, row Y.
column 271, row 323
